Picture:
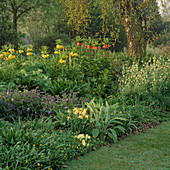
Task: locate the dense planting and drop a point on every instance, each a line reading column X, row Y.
column 57, row 106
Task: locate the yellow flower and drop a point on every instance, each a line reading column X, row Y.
column 80, row 136
column 71, row 53
column 21, row 51
column 11, row 50
column 69, row 111
column 68, row 117
column 84, row 112
column 59, row 46
column 38, row 164
column 75, row 109
column 62, row 61
column 83, row 142
column 11, row 57
column 26, row 161
column 29, row 53
column 40, row 144
column 80, row 117
column 75, row 55
column 133, row 106
column 75, row 112
column 87, row 116
column 5, row 53
column 29, row 49
column 45, row 56
column 88, row 145
column 56, row 52
column 87, row 137
column 33, row 145
column 1, row 55
column 6, row 59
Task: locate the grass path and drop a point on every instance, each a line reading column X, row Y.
column 149, row 150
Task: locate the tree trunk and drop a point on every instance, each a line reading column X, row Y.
column 15, row 29
column 135, row 34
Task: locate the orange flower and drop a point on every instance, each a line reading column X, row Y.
column 89, row 46
column 106, row 45
column 79, row 44
column 95, row 48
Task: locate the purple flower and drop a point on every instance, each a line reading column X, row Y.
column 28, row 109
column 49, row 113
column 118, row 90
column 35, row 113
column 43, row 110
column 66, row 108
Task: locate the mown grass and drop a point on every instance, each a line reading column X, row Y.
column 144, row 151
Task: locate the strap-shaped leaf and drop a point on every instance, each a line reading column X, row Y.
column 121, row 128
column 114, row 135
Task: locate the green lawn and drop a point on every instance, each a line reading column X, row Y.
column 149, row 150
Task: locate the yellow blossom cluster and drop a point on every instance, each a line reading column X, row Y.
column 73, row 54
column 80, row 112
column 83, row 138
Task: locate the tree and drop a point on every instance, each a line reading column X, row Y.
column 135, row 14
column 5, row 25
column 18, row 8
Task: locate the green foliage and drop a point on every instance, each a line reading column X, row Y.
column 36, row 145
column 25, row 104
column 105, row 122
column 151, row 79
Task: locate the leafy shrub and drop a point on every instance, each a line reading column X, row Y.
column 104, row 121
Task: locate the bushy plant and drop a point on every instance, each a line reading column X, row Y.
column 26, row 103
column 104, row 121
column 149, row 80
column 37, row 145
column 77, row 119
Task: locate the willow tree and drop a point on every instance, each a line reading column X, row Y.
column 135, row 14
